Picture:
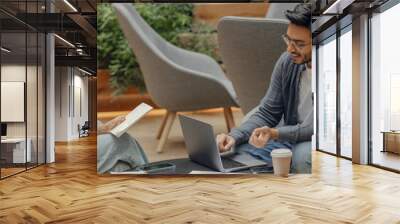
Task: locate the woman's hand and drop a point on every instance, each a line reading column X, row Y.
column 107, row 127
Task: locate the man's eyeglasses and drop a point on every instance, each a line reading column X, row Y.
column 295, row 44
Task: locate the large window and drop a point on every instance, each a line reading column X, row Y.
column 346, row 95
column 385, row 89
column 327, row 96
column 335, row 80
column 334, row 58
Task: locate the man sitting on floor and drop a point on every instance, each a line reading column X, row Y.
column 289, row 95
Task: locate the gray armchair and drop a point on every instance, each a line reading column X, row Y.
column 249, row 49
column 275, row 10
column 176, row 79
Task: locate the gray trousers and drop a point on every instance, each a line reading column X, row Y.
column 118, row 154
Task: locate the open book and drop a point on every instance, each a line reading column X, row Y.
column 131, row 119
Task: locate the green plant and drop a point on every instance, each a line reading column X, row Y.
column 168, row 20
column 109, row 34
column 114, row 53
column 202, row 39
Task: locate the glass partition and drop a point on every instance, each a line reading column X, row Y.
column 22, row 90
column 14, row 153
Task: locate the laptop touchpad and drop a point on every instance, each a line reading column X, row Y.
column 247, row 159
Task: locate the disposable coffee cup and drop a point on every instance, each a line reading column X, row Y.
column 281, row 159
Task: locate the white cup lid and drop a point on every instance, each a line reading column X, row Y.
column 281, row 153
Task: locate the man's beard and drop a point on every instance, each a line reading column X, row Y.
column 306, row 59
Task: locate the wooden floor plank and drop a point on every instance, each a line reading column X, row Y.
column 70, row 191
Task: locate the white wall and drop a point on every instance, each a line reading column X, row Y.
column 70, row 83
column 80, row 96
column 13, row 73
column 61, row 103
column 33, row 126
column 17, row 73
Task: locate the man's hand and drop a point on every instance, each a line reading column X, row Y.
column 225, row 142
column 260, row 136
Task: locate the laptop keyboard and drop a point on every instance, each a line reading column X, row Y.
column 229, row 163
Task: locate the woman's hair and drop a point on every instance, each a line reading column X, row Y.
column 300, row 15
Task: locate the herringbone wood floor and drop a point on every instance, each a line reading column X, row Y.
column 70, row 191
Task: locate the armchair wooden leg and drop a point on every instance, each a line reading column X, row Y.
column 230, row 123
column 161, row 129
column 168, row 125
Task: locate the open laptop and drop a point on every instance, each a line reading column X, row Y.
column 202, row 148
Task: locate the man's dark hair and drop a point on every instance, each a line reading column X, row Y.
column 300, row 15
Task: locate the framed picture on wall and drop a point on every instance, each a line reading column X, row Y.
column 12, row 101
